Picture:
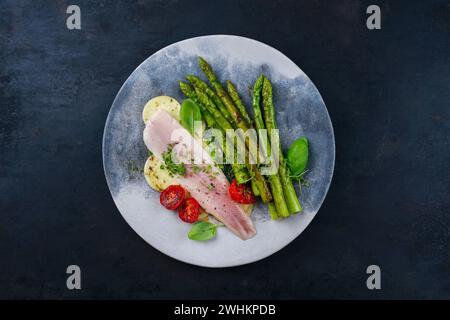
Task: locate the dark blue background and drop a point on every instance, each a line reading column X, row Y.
column 387, row 92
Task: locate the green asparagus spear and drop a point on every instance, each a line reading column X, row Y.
column 274, row 180
column 272, row 211
column 238, row 119
column 290, row 196
column 254, row 188
column 278, row 197
column 197, row 83
column 232, row 92
column 257, row 87
column 210, row 106
column 260, row 182
column 223, row 95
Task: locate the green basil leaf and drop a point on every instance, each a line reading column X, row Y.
column 202, row 231
column 297, row 156
column 189, row 114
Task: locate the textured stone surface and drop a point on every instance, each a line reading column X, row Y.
column 388, row 96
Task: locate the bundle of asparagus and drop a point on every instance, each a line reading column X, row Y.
column 223, row 109
column 289, row 194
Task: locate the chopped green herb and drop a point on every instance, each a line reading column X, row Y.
column 303, row 182
column 133, row 168
column 174, row 168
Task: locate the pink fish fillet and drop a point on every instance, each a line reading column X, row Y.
column 203, row 179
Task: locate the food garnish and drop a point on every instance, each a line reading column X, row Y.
column 172, row 197
column 202, row 231
column 174, row 168
column 241, row 193
column 189, row 114
column 189, row 211
column 297, row 156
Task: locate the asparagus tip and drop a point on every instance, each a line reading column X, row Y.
column 267, row 86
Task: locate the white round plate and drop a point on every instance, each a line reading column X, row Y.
column 300, row 111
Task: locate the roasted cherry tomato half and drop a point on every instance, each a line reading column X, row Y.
column 189, row 210
column 241, row 193
column 172, row 197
